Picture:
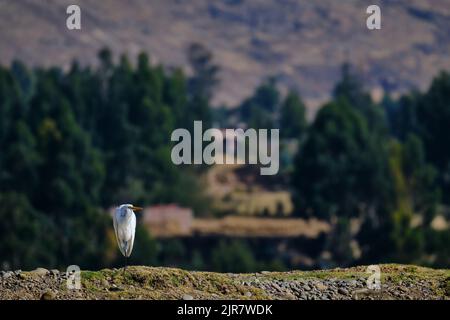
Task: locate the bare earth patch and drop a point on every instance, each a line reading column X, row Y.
column 139, row 282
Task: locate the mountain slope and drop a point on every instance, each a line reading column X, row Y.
column 303, row 43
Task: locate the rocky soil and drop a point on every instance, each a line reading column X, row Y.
column 138, row 282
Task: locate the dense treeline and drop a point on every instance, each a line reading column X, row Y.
column 74, row 143
column 384, row 164
column 382, row 167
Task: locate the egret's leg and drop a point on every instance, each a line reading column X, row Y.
column 124, row 246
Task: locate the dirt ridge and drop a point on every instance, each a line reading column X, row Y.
column 141, row 282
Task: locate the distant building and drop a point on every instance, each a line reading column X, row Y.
column 168, row 220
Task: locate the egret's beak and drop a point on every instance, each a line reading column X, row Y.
column 136, row 208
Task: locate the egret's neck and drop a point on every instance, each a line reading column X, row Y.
column 126, row 214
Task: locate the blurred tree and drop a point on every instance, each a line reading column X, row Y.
column 197, row 262
column 19, row 160
column 403, row 115
column 342, row 168
column 433, row 110
column 437, row 244
column 172, row 252
column 27, row 237
column 205, row 72
column 258, row 110
column 415, row 194
column 421, row 178
column 292, row 119
column 24, row 78
column 339, row 243
column 350, row 88
column 234, row 256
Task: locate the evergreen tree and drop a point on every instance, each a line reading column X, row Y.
column 292, row 118
column 433, row 110
column 26, row 235
column 341, row 169
column 205, row 77
column 258, row 111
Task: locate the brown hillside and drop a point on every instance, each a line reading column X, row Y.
column 303, row 42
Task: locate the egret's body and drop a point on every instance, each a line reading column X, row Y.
column 125, row 227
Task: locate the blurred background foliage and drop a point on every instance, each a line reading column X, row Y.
column 74, row 143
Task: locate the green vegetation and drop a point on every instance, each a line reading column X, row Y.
column 75, row 143
column 381, row 166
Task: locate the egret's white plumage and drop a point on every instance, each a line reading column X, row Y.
column 125, row 227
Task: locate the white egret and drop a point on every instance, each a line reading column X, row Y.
column 125, row 227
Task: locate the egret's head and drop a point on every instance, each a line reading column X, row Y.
column 127, row 206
